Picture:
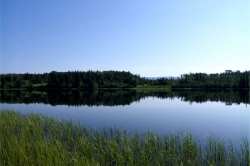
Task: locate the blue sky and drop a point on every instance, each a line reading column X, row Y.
column 150, row 38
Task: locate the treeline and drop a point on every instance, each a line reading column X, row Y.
column 228, row 79
column 122, row 79
column 121, row 97
column 76, row 79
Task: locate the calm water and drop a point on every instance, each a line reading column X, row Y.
column 222, row 113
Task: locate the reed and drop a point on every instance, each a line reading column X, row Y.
column 34, row 139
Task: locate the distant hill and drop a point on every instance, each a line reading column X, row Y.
column 166, row 77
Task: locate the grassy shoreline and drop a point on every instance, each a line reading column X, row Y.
column 33, row 139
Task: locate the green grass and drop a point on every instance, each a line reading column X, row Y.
column 152, row 88
column 33, row 139
column 39, row 85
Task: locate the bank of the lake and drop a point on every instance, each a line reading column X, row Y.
column 122, row 79
column 33, row 139
column 139, row 87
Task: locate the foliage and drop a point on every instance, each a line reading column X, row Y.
column 122, row 79
column 76, row 79
column 229, row 79
column 36, row 140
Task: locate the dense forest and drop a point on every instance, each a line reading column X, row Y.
column 76, row 79
column 121, row 97
column 122, row 79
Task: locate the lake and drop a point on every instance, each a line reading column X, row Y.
column 224, row 113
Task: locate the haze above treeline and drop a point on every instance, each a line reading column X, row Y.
column 123, row 79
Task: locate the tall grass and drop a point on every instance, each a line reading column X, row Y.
column 37, row 140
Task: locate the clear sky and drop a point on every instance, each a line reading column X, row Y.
column 147, row 37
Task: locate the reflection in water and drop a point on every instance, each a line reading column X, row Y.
column 160, row 112
column 121, row 97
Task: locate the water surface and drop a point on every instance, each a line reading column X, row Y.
column 222, row 113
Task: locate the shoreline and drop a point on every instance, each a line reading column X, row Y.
column 135, row 88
